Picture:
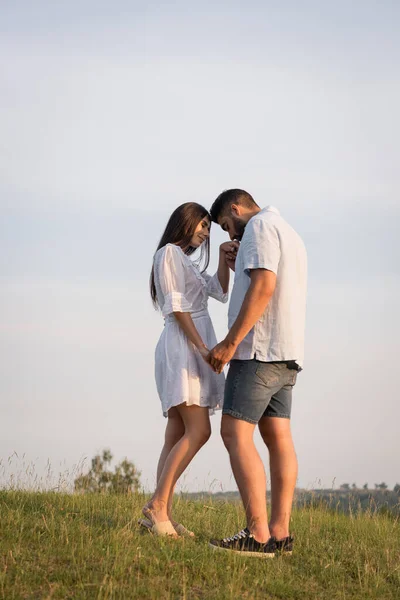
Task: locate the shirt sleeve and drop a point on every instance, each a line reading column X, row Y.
column 214, row 289
column 260, row 247
column 172, row 281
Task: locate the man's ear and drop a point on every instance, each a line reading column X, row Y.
column 235, row 209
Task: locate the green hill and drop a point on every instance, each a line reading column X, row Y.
column 89, row 546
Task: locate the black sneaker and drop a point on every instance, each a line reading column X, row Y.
column 285, row 545
column 245, row 544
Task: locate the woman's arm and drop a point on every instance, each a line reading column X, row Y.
column 172, row 283
column 227, row 253
column 186, row 323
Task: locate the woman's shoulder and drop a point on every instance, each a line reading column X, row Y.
column 171, row 250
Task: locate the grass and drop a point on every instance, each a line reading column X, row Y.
column 70, row 546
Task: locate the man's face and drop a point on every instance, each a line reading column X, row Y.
column 233, row 225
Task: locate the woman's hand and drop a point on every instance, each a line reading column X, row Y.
column 204, row 351
column 230, row 249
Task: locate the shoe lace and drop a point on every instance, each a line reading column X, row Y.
column 238, row 536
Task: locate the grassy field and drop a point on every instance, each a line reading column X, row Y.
column 69, row 546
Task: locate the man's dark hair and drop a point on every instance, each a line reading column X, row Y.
column 228, row 197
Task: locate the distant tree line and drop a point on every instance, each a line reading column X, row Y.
column 377, row 486
column 346, row 499
column 123, row 480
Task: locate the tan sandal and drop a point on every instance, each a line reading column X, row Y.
column 146, row 523
column 179, row 528
column 162, row 528
column 183, row 532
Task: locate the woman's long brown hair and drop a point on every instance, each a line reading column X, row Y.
column 179, row 230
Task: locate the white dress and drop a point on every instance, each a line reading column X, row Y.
column 182, row 375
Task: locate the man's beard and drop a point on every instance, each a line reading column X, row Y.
column 239, row 227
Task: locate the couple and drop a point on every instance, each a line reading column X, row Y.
column 264, row 348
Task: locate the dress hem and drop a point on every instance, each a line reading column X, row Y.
column 212, row 409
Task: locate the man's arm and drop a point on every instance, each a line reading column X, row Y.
column 255, row 302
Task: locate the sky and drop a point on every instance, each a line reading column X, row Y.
column 113, row 114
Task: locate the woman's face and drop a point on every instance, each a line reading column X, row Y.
column 201, row 232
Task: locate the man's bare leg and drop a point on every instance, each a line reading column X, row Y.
column 249, row 473
column 277, row 435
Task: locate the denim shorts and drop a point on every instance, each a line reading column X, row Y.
column 256, row 389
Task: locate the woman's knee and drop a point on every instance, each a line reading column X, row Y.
column 199, row 434
column 204, row 434
column 197, row 424
column 174, row 431
column 172, row 437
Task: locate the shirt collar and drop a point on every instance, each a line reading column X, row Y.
column 270, row 209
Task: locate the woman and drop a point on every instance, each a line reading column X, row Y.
column 188, row 388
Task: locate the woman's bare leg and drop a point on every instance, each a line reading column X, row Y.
column 174, row 431
column 197, row 431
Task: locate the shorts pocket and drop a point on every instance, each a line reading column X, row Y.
column 235, row 370
column 269, row 373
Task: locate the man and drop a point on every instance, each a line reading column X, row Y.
column 265, row 347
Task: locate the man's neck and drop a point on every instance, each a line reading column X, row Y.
column 252, row 213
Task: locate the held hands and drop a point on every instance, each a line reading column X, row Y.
column 204, row 351
column 220, row 355
column 230, row 249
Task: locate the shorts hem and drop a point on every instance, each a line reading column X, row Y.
column 236, row 415
column 277, row 415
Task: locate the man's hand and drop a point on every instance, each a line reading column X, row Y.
column 220, row 355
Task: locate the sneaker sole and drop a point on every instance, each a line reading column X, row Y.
column 245, row 552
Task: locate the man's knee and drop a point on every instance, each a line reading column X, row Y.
column 277, row 433
column 269, row 439
column 228, row 434
column 236, row 433
column 231, row 433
